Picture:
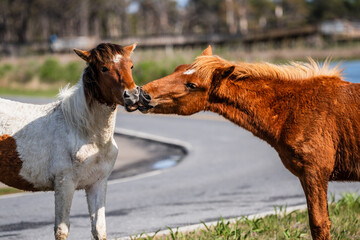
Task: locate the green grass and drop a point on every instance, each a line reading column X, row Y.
column 8, row 190
column 344, row 214
column 28, row 92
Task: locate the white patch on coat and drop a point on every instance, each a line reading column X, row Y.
column 189, row 72
column 59, row 137
column 117, row 58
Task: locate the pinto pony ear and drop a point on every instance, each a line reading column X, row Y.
column 207, row 51
column 129, row 49
column 83, row 54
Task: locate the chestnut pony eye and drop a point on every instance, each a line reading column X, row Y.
column 104, row 69
column 190, row 85
column 132, row 66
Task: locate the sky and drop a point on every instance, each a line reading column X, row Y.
column 182, row 3
column 134, row 6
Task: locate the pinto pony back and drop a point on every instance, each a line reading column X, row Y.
column 69, row 145
column 305, row 111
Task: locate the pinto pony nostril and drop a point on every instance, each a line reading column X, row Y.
column 126, row 95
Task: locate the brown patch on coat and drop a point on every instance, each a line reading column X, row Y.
column 11, row 164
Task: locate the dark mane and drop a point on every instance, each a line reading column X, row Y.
column 105, row 52
column 91, row 87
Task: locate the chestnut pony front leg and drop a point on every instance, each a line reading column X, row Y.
column 315, row 188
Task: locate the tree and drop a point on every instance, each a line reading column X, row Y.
column 204, row 16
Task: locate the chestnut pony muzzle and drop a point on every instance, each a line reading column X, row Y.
column 142, row 105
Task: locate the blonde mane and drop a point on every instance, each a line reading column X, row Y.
column 205, row 66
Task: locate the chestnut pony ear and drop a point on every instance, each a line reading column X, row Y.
column 129, row 49
column 83, row 54
column 207, row 51
column 223, row 73
column 220, row 74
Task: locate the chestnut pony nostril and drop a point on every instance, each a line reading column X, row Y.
column 144, row 97
column 147, row 97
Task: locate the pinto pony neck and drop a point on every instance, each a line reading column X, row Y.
column 90, row 105
column 87, row 120
column 261, row 97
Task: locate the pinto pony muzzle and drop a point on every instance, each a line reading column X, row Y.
column 142, row 104
column 131, row 97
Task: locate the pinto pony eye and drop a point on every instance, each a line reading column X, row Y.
column 104, row 69
column 190, row 85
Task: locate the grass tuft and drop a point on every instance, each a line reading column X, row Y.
column 344, row 214
column 8, row 190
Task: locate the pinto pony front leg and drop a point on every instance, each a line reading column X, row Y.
column 96, row 202
column 64, row 192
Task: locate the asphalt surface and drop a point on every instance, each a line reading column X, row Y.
column 227, row 173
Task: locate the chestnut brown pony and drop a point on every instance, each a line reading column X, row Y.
column 303, row 110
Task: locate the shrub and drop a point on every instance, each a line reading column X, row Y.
column 148, row 70
column 72, row 72
column 23, row 75
column 4, row 69
column 51, row 71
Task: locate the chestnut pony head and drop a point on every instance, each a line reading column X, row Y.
column 107, row 77
column 184, row 92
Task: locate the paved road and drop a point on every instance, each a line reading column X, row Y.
column 227, row 173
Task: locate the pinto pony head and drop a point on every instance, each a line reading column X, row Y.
column 108, row 77
column 185, row 91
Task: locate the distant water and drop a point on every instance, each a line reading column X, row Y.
column 351, row 71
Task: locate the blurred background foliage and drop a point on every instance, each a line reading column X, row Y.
column 38, row 22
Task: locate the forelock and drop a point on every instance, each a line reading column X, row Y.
column 106, row 52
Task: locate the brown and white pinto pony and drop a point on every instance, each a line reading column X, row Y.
column 303, row 110
column 68, row 145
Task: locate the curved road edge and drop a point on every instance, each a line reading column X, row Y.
column 185, row 146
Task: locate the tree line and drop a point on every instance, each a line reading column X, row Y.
column 26, row 21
